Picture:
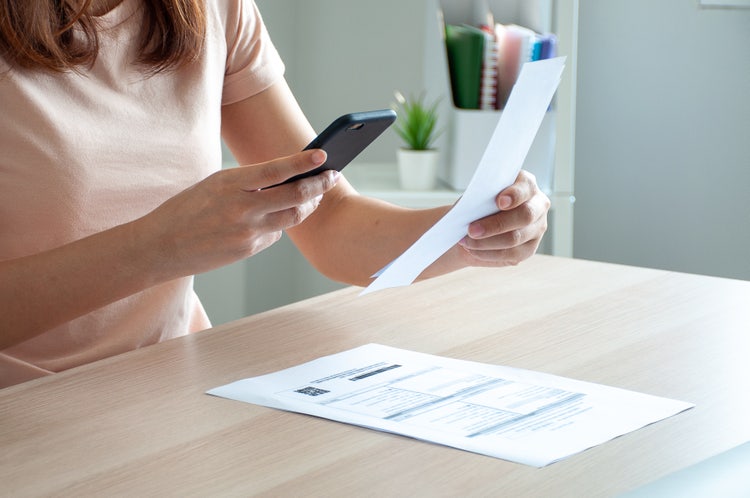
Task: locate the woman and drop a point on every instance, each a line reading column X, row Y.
column 111, row 193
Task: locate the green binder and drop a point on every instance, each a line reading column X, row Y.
column 465, row 48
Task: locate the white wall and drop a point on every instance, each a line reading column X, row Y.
column 349, row 55
column 663, row 136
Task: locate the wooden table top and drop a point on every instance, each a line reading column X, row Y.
column 140, row 424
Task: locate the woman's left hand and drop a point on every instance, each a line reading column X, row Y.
column 513, row 234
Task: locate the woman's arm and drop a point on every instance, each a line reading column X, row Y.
column 349, row 236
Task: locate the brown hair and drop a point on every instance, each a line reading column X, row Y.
column 39, row 34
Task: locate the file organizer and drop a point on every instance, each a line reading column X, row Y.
column 467, row 131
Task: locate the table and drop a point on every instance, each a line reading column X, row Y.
column 139, row 424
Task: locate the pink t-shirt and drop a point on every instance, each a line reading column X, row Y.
column 83, row 152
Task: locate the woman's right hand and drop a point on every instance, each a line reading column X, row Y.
column 231, row 215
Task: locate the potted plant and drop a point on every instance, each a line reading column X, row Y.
column 416, row 124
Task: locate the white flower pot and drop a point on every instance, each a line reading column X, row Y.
column 417, row 169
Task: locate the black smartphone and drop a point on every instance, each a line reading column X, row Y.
column 346, row 137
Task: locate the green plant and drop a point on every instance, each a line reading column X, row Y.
column 416, row 121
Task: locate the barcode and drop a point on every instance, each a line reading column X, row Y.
column 311, row 391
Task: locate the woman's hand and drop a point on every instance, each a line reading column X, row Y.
column 228, row 216
column 232, row 215
column 513, row 234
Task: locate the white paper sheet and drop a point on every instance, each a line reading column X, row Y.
column 498, row 169
column 517, row 415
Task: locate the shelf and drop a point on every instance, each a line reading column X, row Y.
column 380, row 181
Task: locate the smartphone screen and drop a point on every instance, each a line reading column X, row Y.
column 346, row 137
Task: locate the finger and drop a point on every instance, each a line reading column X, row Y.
column 523, row 189
column 291, row 195
column 293, row 216
column 503, row 257
column 507, row 240
column 526, row 214
column 258, row 176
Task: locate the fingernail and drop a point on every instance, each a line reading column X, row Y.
column 476, row 231
column 504, row 201
column 318, row 157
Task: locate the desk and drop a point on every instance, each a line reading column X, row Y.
column 140, row 424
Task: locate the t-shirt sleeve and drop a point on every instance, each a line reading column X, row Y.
column 253, row 64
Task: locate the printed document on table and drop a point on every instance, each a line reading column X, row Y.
column 497, row 169
column 517, row 415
